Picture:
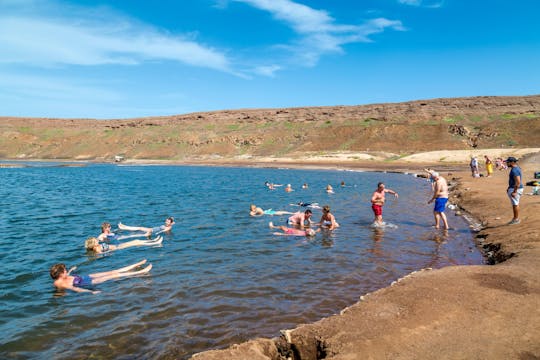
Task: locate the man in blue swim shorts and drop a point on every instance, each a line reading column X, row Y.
column 440, row 196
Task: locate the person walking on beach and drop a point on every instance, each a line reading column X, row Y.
column 474, row 167
column 515, row 188
column 489, row 165
column 440, row 196
column 377, row 202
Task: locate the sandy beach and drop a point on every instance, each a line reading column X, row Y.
column 458, row 312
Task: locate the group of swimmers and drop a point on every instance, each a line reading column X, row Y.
column 64, row 280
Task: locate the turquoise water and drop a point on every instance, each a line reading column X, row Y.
column 220, row 277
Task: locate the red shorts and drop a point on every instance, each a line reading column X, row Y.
column 377, row 209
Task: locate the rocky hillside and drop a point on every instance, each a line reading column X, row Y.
column 401, row 128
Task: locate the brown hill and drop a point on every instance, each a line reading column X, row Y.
column 400, row 128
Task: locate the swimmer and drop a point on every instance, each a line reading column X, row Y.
column 305, row 186
column 377, row 202
column 328, row 220
column 329, row 189
column 300, row 218
column 292, row 231
column 64, row 281
column 93, row 244
column 288, row 188
column 309, row 205
column 169, row 222
column 106, row 233
column 254, row 210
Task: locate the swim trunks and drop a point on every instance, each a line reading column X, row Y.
column 440, row 204
column 82, row 281
column 514, row 200
column 269, row 212
column 104, row 247
column 290, row 231
column 377, row 209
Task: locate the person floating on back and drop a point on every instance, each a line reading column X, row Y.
column 169, row 222
column 287, row 231
column 78, row 283
column 93, row 244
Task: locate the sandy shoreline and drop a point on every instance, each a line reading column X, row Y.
column 463, row 312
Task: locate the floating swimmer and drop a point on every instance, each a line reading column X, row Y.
column 169, row 222
column 288, row 188
column 93, row 244
column 64, row 281
column 309, row 205
column 329, row 189
column 257, row 211
column 292, row 231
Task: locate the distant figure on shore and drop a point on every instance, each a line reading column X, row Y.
column 328, row 220
column 515, row 188
column 474, row 167
column 440, row 196
column 292, row 231
column 300, row 218
column 64, row 281
column 254, row 210
column 288, row 188
column 377, row 202
column 169, row 222
column 329, row 189
column 489, row 165
column 93, row 244
column 500, row 164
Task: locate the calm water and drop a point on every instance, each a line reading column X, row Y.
column 220, row 277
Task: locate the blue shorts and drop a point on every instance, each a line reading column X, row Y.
column 82, row 281
column 440, row 204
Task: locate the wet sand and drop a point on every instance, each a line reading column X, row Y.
column 458, row 312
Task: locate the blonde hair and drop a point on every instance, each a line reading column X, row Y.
column 91, row 243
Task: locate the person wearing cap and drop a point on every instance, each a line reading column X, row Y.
column 515, row 188
column 440, row 196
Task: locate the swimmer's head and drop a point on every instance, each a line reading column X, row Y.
column 308, row 213
column 169, row 220
column 57, row 270
column 435, row 175
column 326, row 208
column 105, row 226
column 310, row 232
column 252, row 207
column 91, row 243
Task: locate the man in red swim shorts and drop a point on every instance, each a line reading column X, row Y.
column 377, row 202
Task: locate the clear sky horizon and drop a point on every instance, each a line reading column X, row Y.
column 134, row 58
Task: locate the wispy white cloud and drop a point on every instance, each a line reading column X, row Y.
column 319, row 33
column 423, row 3
column 93, row 36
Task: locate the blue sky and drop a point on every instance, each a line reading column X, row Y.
column 132, row 58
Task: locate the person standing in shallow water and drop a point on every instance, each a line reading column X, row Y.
column 377, row 202
column 515, row 188
column 440, row 196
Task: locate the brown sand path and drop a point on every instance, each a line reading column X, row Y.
column 458, row 312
